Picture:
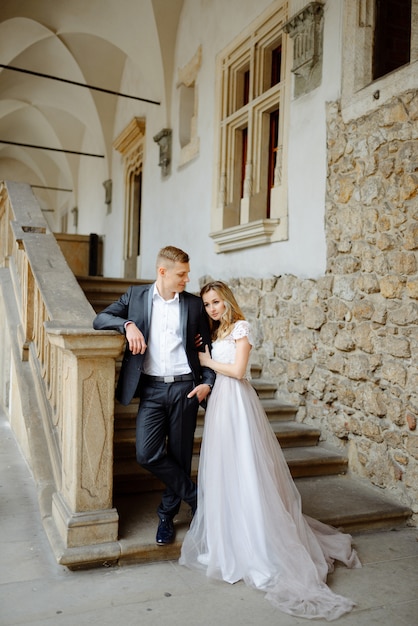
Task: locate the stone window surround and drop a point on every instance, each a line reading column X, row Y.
column 130, row 144
column 254, row 229
column 360, row 93
column 188, row 108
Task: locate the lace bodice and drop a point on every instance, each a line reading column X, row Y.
column 223, row 350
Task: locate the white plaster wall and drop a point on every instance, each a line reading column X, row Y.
column 143, row 76
column 183, row 202
column 176, row 209
column 179, row 208
column 91, row 200
column 305, row 253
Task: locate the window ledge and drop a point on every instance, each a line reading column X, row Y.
column 189, row 151
column 379, row 92
column 245, row 235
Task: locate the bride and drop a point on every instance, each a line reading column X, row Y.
column 249, row 523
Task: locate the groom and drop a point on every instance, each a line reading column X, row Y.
column 161, row 366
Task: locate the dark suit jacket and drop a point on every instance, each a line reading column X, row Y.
column 136, row 305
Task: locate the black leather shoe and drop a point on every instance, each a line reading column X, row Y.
column 165, row 532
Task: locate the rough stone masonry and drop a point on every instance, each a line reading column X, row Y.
column 343, row 348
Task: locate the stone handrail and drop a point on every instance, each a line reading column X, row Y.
column 73, row 372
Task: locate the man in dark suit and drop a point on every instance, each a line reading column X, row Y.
column 161, row 365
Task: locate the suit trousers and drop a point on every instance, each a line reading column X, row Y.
column 165, row 427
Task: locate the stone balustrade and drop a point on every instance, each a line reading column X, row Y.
column 72, row 370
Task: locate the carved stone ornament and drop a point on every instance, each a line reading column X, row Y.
column 131, row 138
column 306, row 28
column 108, row 191
column 163, row 138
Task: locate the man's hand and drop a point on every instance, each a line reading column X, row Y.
column 201, row 391
column 205, row 358
column 135, row 339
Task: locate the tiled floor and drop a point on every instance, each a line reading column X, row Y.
column 34, row 590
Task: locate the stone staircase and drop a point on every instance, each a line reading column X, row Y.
column 101, row 292
column 328, row 491
column 299, row 442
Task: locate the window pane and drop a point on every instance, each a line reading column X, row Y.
column 271, row 63
column 244, row 135
column 246, row 87
column 392, row 37
column 240, row 88
column 137, row 208
column 273, row 143
column 276, row 62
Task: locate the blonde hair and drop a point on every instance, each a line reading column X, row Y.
column 232, row 313
column 171, row 254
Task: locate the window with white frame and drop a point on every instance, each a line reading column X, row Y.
column 380, row 52
column 130, row 143
column 250, row 198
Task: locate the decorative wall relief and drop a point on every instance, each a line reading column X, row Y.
column 163, row 138
column 306, row 30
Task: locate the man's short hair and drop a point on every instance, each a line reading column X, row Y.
column 173, row 254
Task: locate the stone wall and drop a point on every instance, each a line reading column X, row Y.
column 344, row 348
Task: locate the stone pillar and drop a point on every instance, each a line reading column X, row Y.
column 82, row 508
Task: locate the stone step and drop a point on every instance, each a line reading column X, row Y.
column 264, row 388
column 104, row 285
column 342, row 501
column 101, row 291
column 256, row 370
column 125, row 416
column 350, row 503
column 255, row 377
column 289, row 434
column 315, row 461
column 292, row 434
column 129, row 477
column 276, row 411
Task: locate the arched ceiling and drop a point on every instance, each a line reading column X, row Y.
column 84, row 42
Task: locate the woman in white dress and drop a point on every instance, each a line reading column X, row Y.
column 249, row 523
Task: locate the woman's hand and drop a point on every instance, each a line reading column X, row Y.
column 238, row 368
column 198, row 341
column 205, row 358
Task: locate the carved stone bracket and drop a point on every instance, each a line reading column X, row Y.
column 163, row 138
column 306, row 30
column 108, row 194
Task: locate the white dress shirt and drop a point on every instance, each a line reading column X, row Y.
column 165, row 355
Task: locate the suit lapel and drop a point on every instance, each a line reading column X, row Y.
column 147, row 303
column 184, row 311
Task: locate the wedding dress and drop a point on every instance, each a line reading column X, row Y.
column 249, row 523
